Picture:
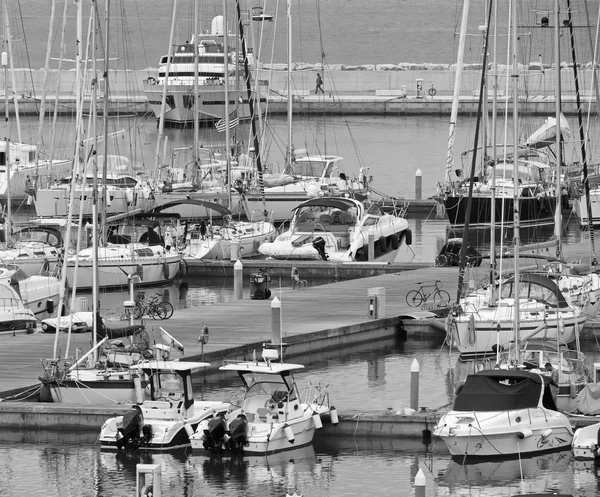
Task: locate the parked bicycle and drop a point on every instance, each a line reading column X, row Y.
column 415, row 298
column 153, row 307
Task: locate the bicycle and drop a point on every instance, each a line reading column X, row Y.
column 415, row 298
column 152, row 307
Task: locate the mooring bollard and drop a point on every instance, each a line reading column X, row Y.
column 420, row 482
column 238, row 280
column 275, row 321
column 414, row 385
column 418, row 185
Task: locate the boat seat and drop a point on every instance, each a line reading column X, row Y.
column 261, row 415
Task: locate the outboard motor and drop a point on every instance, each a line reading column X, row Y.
column 238, row 430
column 130, row 432
column 319, row 244
column 214, row 434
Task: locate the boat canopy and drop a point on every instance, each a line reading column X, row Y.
column 337, row 202
column 537, row 287
column 499, row 390
column 545, row 135
column 224, row 211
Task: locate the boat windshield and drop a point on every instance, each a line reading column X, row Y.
column 264, row 384
column 325, row 217
column 533, row 291
column 311, row 168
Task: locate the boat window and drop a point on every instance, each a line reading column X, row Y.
column 309, row 168
column 542, row 294
column 375, row 210
column 2, row 158
column 144, row 252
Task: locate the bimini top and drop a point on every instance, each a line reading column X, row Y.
column 500, row 390
column 261, row 367
column 170, row 365
column 537, row 287
column 339, row 202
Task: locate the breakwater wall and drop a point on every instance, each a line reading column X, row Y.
column 428, row 86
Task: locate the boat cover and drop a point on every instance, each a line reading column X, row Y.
column 537, row 287
column 499, row 390
column 545, row 135
column 588, row 399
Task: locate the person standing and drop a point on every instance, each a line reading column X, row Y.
column 319, row 84
column 553, row 382
column 203, row 230
column 295, row 277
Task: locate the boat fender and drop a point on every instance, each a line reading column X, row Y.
column 139, row 393
column 382, row 244
column 547, row 433
column 524, row 434
column 146, row 491
column 46, row 265
column 408, row 237
column 395, row 241
column 572, row 390
column 267, row 293
column 317, row 420
column 333, row 415
column 289, row 433
column 459, row 386
column 188, row 429
column 166, row 271
column 183, row 268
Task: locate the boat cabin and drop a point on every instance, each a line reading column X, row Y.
column 537, row 287
column 326, row 167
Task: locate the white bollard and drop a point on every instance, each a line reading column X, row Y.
column 234, row 250
column 418, row 185
column 275, row 321
column 414, row 385
column 238, row 280
column 420, row 482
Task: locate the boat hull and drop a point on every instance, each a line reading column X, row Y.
column 586, row 443
column 95, row 392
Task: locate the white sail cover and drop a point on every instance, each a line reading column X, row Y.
column 545, row 135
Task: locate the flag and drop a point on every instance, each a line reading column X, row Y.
column 233, row 123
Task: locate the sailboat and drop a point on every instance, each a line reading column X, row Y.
column 504, row 412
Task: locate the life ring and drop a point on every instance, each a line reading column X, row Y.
column 432, row 91
column 151, row 80
column 183, row 268
column 166, row 271
column 408, row 237
column 395, row 241
column 382, row 242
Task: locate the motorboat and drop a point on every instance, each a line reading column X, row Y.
column 176, row 72
column 586, row 443
column 169, row 417
column 478, row 327
column 122, row 190
column 306, row 177
column 338, row 228
column 501, row 412
column 273, row 416
column 534, row 354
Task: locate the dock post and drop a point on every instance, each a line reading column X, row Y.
column 371, row 250
column 414, row 385
column 420, row 482
column 238, row 280
column 275, row 321
column 418, row 185
column 234, row 247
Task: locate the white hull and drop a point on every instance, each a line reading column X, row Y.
column 114, row 270
column 95, row 392
column 586, row 443
column 18, row 178
column 581, row 210
column 500, row 433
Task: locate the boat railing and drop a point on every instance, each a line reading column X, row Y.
column 315, row 395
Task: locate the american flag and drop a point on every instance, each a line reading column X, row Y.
column 233, row 123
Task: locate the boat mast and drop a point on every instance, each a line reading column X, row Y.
column 586, row 183
column 6, row 57
column 289, row 156
column 456, row 95
column 105, row 120
column 8, row 41
column 557, row 98
column 196, row 93
column 515, row 90
column 228, row 181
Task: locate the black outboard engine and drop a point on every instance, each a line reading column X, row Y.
column 238, row 431
column 319, row 244
column 214, row 435
column 129, row 433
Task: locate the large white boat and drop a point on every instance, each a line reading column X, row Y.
column 273, row 416
column 178, row 74
column 305, row 178
column 168, row 418
column 124, row 192
column 338, row 229
column 478, row 327
column 504, row 413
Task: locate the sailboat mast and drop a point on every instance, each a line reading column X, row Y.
column 515, row 89
column 5, row 61
column 289, row 153
column 105, row 119
column 558, row 213
column 456, row 95
column 95, row 224
column 8, row 41
column 196, row 93
column 226, row 88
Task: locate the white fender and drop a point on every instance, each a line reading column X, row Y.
column 547, row 433
column 524, row 434
column 289, row 433
column 188, row 429
column 334, row 415
column 317, row 421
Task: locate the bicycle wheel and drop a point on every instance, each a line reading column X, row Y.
column 139, row 310
column 152, row 311
column 160, row 311
column 169, row 308
column 414, row 298
column 441, row 260
column 441, row 297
